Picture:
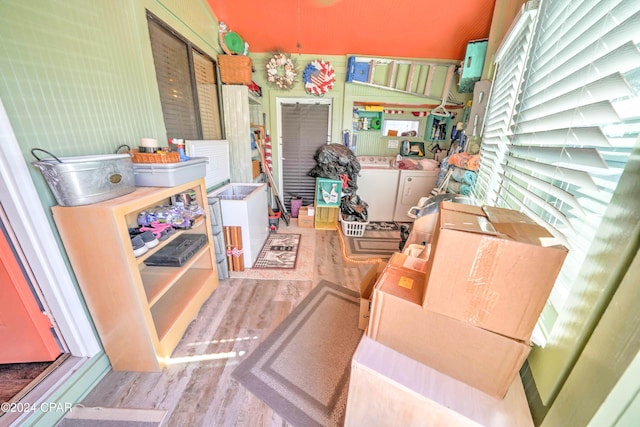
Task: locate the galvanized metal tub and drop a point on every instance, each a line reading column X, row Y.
column 83, row 180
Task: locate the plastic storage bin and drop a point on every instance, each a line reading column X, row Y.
column 169, row 174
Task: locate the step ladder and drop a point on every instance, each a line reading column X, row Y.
column 410, row 77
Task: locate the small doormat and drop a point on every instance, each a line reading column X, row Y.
column 302, row 368
column 279, row 251
column 374, row 246
column 81, row 416
column 382, row 226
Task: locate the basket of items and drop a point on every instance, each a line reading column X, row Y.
column 235, row 69
column 353, row 228
column 160, row 156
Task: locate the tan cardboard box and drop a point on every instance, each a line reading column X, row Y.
column 366, row 289
column 475, row 356
column 491, row 267
column 383, row 382
column 403, row 260
column 306, row 216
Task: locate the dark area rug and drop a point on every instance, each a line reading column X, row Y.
column 302, row 369
column 279, row 251
column 374, row 245
column 382, row 226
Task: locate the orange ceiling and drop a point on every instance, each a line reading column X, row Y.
column 402, row 28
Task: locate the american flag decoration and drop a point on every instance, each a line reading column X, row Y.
column 420, row 113
column 318, row 77
column 267, row 152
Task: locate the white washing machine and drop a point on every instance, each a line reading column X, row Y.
column 412, row 185
column 378, row 186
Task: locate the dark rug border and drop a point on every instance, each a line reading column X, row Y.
column 295, row 263
column 243, row 370
column 354, row 251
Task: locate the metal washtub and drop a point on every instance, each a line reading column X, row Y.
column 83, row 180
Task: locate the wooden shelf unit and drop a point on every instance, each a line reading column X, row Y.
column 140, row 312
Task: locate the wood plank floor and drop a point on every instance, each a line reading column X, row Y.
column 197, row 388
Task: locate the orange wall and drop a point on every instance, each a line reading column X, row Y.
column 401, row 28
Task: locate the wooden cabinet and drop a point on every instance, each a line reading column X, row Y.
column 140, row 312
column 242, row 111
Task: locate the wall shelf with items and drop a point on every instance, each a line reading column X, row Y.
column 367, row 120
column 437, row 127
column 140, row 311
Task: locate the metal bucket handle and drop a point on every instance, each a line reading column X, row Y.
column 44, row 151
column 124, row 146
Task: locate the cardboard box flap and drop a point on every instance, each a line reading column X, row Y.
column 503, row 215
column 464, row 221
column 461, row 207
column 519, row 227
column 369, row 280
column 403, row 283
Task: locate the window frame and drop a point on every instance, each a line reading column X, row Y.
column 190, row 48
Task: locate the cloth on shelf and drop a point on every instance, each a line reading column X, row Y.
column 459, row 188
column 427, row 164
column 465, row 161
column 463, row 176
column 408, row 164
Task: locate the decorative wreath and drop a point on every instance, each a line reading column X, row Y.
column 318, row 77
column 281, row 71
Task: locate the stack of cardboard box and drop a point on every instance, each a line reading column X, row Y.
column 470, row 309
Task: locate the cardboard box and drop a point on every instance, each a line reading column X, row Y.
column 366, row 289
column 403, row 260
column 482, row 359
column 491, row 267
column 384, row 381
column 306, row 216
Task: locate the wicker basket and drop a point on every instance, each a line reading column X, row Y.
column 235, row 69
column 162, row 157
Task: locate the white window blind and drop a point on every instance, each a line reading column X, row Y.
column 562, row 118
column 207, row 89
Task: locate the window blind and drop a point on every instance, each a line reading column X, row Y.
column 563, row 116
column 207, row 90
column 171, row 60
column 187, row 85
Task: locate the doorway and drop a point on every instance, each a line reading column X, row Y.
column 304, row 125
column 82, row 356
column 24, row 321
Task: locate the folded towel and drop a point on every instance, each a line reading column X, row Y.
column 464, row 176
column 459, row 188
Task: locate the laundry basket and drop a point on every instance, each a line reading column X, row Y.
column 353, row 228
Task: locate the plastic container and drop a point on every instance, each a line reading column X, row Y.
column 353, row 228
column 178, row 251
column 83, row 180
column 169, row 174
column 296, row 204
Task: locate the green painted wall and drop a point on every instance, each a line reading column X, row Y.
column 76, row 78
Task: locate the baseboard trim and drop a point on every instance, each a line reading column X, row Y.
column 48, row 402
